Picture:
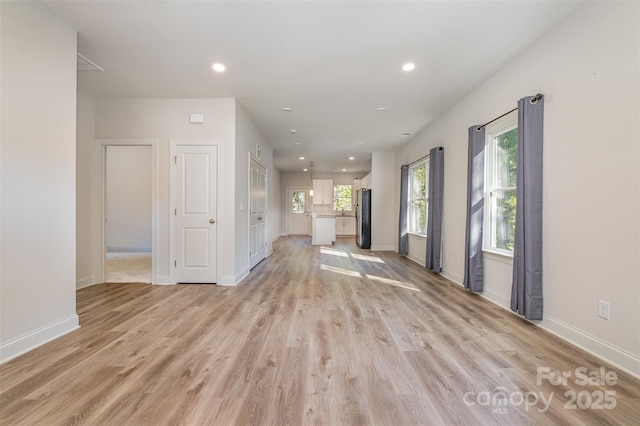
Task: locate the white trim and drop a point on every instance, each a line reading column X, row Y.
column 614, row 355
column 307, row 209
column 164, row 280
column 85, row 282
column 143, row 249
column 20, row 345
column 174, row 143
column 155, row 192
column 594, row 345
column 383, row 248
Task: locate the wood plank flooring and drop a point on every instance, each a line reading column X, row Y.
column 315, row 335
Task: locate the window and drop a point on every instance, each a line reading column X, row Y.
column 417, row 199
column 501, row 161
column 298, row 200
column 342, row 198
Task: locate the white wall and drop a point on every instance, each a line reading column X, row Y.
column 384, row 214
column 167, row 119
column 588, row 69
column 303, row 180
column 37, row 175
column 247, row 139
column 128, row 198
column 86, row 232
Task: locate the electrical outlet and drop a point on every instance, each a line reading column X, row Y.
column 604, row 309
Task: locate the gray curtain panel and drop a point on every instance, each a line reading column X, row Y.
column 403, row 235
column 473, row 263
column 526, row 291
column 434, row 210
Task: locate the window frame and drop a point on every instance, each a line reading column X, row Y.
column 410, row 200
column 492, row 131
column 342, row 198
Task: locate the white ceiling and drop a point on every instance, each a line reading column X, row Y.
column 332, row 62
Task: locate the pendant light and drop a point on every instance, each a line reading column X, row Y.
column 311, row 178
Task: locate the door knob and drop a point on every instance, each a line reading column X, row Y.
column 212, row 221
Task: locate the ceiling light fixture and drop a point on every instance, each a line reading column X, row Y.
column 293, row 131
column 381, row 109
column 302, row 158
column 305, row 170
column 311, row 178
column 409, row 66
column 344, row 170
column 405, row 134
column 298, row 143
column 286, row 109
column 218, row 67
column 352, row 158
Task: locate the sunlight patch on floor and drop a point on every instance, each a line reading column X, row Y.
column 333, row 252
column 393, row 282
column 367, row 258
column 340, row 270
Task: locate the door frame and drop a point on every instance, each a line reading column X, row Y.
column 101, row 181
column 174, row 143
column 259, row 162
column 306, row 208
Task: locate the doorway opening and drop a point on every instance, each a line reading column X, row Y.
column 298, row 211
column 128, row 214
column 127, row 189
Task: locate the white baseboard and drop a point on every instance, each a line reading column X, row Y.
column 415, row 260
column 618, row 357
column 32, row 340
column 85, row 282
column 612, row 354
column 127, row 248
column 163, row 280
column 383, row 248
column 233, row 281
column 277, row 236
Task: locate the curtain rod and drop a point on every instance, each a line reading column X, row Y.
column 422, row 158
column 533, row 100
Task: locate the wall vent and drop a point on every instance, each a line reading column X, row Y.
column 85, row 64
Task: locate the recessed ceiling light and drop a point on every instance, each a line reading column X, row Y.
column 293, row 131
column 360, row 143
column 381, row 109
column 405, row 134
column 298, row 143
column 305, row 170
column 286, row 109
column 409, row 66
column 302, row 158
column 344, row 170
column 218, row 67
column 352, row 158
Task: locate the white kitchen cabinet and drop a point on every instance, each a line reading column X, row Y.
column 323, row 191
column 323, row 229
column 345, row 225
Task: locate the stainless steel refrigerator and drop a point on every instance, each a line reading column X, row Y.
column 363, row 218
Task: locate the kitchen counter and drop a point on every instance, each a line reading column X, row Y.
column 323, row 229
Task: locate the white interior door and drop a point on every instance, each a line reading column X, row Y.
column 195, row 211
column 257, row 213
column 298, row 219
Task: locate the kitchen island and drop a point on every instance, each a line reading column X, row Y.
column 323, row 229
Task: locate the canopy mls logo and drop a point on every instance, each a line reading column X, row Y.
column 500, row 400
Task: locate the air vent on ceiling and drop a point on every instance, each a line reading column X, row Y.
column 85, row 64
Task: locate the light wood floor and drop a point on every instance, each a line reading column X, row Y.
column 315, row 335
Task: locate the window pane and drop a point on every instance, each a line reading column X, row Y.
column 418, row 216
column 506, row 159
column 342, row 199
column 418, row 183
column 504, row 219
column 298, row 202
